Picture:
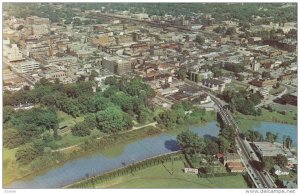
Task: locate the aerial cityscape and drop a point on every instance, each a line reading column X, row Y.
column 149, row 95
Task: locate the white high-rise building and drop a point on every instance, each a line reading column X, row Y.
column 15, row 54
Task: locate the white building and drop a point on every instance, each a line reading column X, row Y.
column 26, row 66
column 15, row 54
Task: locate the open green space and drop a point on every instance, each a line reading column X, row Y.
column 160, row 177
column 11, row 169
column 247, row 122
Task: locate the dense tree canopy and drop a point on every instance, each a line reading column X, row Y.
column 190, row 142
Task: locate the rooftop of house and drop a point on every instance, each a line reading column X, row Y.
column 231, row 156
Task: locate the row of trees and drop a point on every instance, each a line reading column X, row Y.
column 270, row 137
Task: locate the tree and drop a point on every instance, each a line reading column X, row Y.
column 217, row 72
column 12, row 138
column 253, row 136
column 240, row 77
column 288, row 142
column 200, row 39
column 39, row 145
column 166, row 119
column 80, row 129
column 211, row 147
column 223, row 145
column 182, row 73
column 280, row 160
column 143, row 115
column 268, row 163
column 26, row 154
column 33, row 122
column 76, row 22
column 112, row 80
column 111, row 120
column 90, row 121
column 190, row 142
column 8, row 113
column 230, row 31
column 255, row 98
column 99, row 21
column 270, row 137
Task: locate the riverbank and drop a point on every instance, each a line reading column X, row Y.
column 247, row 122
column 108, row 146
column 56, row 159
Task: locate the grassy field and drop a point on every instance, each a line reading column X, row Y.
column 247, row 122
column 11, row 170
column 160, row 177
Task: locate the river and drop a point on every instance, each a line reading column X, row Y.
column 138, row 150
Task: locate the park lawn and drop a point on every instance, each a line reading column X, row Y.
column 246, row 122
column 159, row 176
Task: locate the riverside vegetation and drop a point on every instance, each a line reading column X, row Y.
column 65, row 113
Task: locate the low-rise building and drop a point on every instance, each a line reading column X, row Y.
column 235, row 166
column 231, row 157
column 267, row 149
column 214, row 84
column 25, row 66
column 263, row 82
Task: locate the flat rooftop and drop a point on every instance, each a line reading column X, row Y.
column 269, row 149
